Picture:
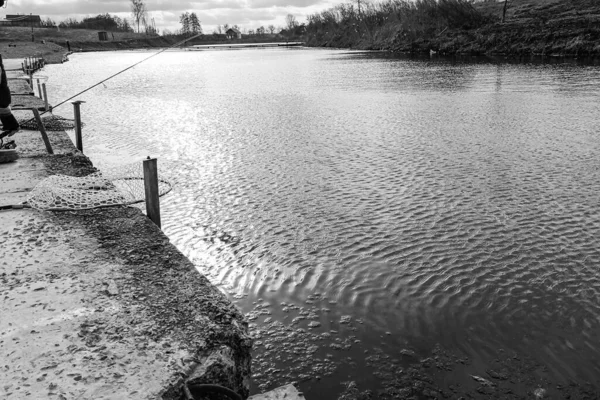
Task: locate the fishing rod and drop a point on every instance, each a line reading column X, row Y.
column 113, row 75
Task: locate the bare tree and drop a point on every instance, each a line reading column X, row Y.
column 290, row 22
column 138, row 11
column 271, row 28
column 195, row 24
column 507, row 3
column 184, row 20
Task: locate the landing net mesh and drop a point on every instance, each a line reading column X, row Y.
column 121, row 185
column 51, row 123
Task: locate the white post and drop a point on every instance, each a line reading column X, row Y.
column 39, row 89
column 45, row 94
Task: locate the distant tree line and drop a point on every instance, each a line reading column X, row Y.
column 190, row 24
column 353, row 22
column 101, row 22
column 292, row 27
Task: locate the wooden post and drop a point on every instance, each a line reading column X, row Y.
column 151, row 188
column 78, row 137
column 40, row 90
column 45, row 94
column 42, row 129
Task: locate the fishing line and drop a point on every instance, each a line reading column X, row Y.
column 118, row 73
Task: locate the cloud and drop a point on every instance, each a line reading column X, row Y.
column 282, row 3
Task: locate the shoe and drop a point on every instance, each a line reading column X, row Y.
column 8, row 145
column 8, row 133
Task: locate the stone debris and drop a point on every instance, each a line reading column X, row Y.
column 287, row 392
column 482, row 381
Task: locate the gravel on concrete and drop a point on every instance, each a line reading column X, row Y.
column 99, row 304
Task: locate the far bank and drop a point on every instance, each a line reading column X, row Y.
column 531, row 27
column 53, row 45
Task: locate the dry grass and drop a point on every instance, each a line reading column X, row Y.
column 51, row 52
column 23, row 34
column 55, row 41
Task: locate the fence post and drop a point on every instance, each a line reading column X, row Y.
column 42, row 129
column 78, row 137
column 151, row 190
column 39, row 89
column 45, row 96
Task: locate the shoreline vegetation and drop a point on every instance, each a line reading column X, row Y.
column 564, row 28
column 465, row 27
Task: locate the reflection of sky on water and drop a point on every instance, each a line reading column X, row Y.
column 437, row 200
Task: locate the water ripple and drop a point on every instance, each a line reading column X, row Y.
column 439, row 202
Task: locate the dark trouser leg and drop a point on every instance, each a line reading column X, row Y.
column 4, row 90
column 9, row 122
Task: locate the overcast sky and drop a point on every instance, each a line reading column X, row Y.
column 248, row 14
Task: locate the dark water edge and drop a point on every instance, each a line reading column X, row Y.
column 345, row 369
column 493, row 59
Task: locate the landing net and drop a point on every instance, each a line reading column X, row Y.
column 51, row 123
column 116, row 186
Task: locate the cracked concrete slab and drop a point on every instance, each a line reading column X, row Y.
column 99, row 304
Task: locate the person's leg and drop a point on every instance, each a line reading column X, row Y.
column 9, row 122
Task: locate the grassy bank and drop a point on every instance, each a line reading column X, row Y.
column 530, row 27
column 51, row 44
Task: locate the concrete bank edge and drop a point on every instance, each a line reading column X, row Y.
column 149, row 302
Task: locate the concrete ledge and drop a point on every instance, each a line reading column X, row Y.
column 20, row 87
column 28, row 101
column 99, row 304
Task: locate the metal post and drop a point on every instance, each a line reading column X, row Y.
column 151, row 189
column 40, row 90
column 42, row 129
column 78, row 138
column 45, row 94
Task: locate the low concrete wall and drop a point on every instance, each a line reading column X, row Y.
column 99, row 304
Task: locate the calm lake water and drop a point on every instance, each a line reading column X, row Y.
column 354, row 204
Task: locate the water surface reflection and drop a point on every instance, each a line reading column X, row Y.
column 374, row 203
